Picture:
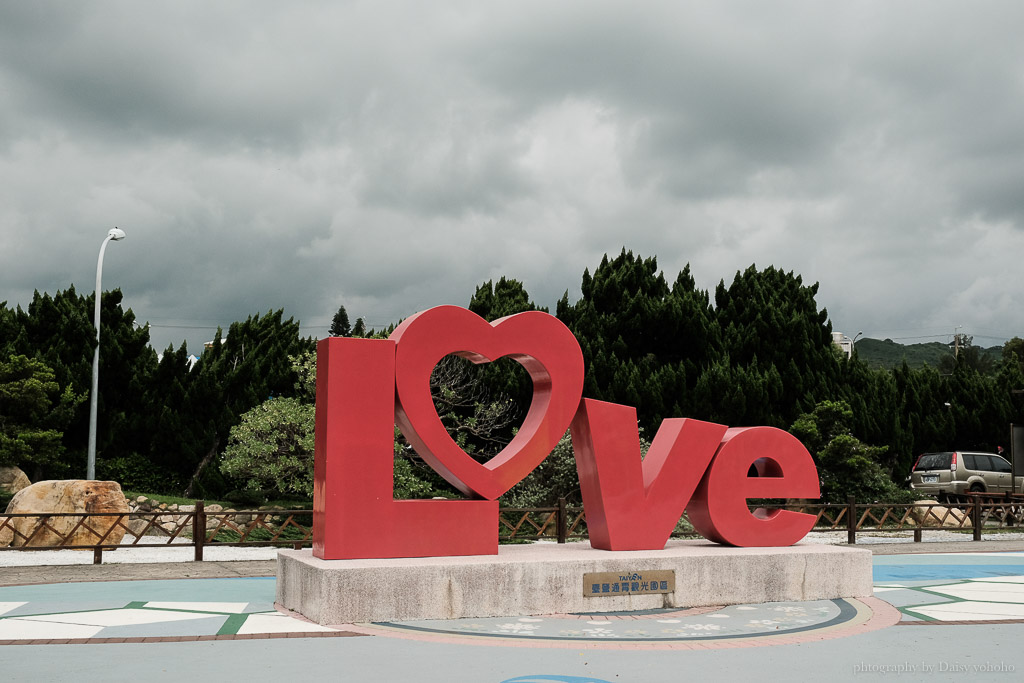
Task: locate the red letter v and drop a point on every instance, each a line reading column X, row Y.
column 634, row 504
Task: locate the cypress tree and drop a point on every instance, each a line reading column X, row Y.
column 339, row 324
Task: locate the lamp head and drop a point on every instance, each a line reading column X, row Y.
column 116, row 234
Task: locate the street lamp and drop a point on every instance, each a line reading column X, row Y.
column 115, row 234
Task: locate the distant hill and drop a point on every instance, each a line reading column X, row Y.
column 887, row 354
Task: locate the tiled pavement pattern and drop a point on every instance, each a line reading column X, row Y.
column 953, row 587
column 936, row 588
column 123, row 611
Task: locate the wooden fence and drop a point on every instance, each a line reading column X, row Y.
column 200, row 529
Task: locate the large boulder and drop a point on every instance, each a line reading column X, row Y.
column 12, row 479
column 929, row 513
column 72, row 497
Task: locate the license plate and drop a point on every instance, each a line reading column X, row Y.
column 929, row 478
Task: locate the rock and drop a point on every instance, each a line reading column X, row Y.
column 928, row 513
column 12, row 479
column 213, row 508
column 74, row 496
column 137, row 527
column 6, row 535
column 140, row 500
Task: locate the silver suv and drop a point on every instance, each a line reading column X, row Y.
column 962, row 471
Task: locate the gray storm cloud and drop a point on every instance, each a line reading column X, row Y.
column 392, row 156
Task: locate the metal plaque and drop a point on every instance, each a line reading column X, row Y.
column 610, row 584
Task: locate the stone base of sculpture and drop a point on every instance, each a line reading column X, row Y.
column 546, row 578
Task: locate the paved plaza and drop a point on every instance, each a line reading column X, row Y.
column 935, row 615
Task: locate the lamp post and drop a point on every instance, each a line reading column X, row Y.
column 853, row 343
column 115, row 234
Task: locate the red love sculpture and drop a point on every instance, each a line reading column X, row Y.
column 365, row 386
column 354, row 511
column 784, row 469
column 536, row 340
column 634, row 502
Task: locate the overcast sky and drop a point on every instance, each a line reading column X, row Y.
column 392, row 156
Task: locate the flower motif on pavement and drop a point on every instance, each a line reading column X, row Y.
column 525, row 629
column 790, row 610
column 757, row 623
column 692, row 630
column 470, row 627
column 702, row 627
column 600, row 632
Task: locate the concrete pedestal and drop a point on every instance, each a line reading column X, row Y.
column 549, row 579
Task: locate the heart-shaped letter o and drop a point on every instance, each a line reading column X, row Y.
column 537, row 341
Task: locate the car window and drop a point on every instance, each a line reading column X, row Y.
column 974, row 462
column 985, row 463
column 934, row 461
column 999, row 464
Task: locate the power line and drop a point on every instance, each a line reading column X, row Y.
column 923, row 336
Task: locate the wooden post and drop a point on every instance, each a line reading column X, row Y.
column 851, row 520
column 917, row 535
column 562, row 523
column 976, row 521
column 199, row 529
column 97, row 555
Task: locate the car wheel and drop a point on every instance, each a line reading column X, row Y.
column 977, row 488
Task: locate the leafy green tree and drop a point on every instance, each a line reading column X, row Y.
column 644, row 342
column 178, row 428
column 507, row 297
column 556, row 477
column 58, row 331
column 339, row 324
column 846, row 466
column 33, row 411
column 304, row 367
column 1013, row 351
column 966, row 356
column 239, row 372
column 479, row 421
column 271, row 448
column 492, row 301
column 769, row 318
